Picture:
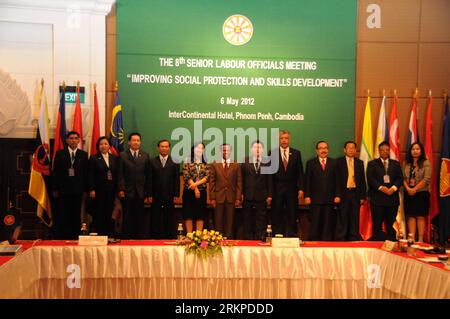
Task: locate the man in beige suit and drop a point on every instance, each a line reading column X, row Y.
column 225, row 191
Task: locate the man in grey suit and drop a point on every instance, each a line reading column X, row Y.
column 225, row 191
column 135, row 188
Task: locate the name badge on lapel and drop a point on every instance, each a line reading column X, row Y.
column 109, row 175
column 386, row 179
column 71, row 172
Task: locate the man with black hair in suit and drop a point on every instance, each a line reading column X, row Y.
column 257, row 192
column 135, row 188
column 352, row 183
column 322, row 193
column 70, row 171
column 385, row 177
column 166, row 188
column 287, row 187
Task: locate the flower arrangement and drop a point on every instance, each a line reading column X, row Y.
column 204, row 243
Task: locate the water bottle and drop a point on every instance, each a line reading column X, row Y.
column 411, row 251
column 269, row 234
column 410, row 240
column 399, row 240
column 180, row 232
column 84, row 230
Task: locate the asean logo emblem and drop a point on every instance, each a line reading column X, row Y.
column 237, row 29
column 9, row 220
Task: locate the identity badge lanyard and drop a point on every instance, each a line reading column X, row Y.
column 386, row 177
column 71, row 169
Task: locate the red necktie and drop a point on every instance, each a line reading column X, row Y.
column 323, row 164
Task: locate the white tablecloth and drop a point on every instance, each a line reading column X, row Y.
column 241, row 272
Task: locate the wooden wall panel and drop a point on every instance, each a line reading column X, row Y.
column 434, row 66
column 399, row 21
column 435, row 21
column 386, row 65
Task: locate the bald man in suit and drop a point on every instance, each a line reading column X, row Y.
column 225, row 191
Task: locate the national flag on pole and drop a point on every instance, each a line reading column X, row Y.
column 394, row 153
column 393, row 132
column 61, row 131
column 96, row 125
column 382, row 129
column 412, row 138
column 40, row 169
column 117, row 134
column 412, row 126
column 434, row 207
column 78, row 118
column 444, row 179
column 366, row 155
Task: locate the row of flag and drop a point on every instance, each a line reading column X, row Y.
column 439, row 196
column 43, row 158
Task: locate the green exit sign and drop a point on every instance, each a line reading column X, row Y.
column 71, row 95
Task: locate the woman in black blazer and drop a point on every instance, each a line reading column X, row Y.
column 102, row 183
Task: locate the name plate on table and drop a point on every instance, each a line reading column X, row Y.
column 289, row 242
column 389, row 245
column 92, row 240
column 10, row 250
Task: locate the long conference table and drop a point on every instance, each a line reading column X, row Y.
column 249, row 269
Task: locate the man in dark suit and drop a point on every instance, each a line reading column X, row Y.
column 70, row 169
column 352, row 183
column 257, row 193
column 225, row 191
column 287, row 187
column 135, row 188
column 385, row 177
column 166, row 188
column 322, row 193
column 102, row 185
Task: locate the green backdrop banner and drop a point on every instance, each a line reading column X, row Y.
column 238, row 64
